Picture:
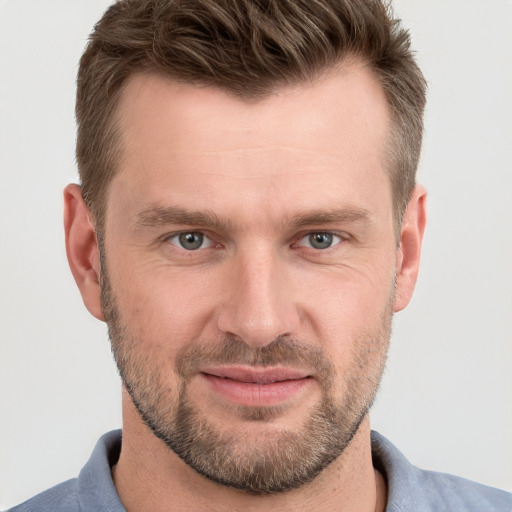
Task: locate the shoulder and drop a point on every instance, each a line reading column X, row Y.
column 93, row 490
column 411, row 488
column 61, row 498
column 461, row 494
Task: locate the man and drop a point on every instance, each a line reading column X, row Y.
column 247, row 223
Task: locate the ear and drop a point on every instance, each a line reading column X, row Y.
column 409, row 250
column 82, row 249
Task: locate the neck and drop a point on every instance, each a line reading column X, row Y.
column 149, row 476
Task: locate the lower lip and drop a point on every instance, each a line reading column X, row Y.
column 252, row 394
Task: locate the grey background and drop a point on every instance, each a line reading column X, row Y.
column 447, row 393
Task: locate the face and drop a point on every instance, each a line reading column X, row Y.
column 248, row 272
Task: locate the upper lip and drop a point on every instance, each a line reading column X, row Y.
column 262, row 375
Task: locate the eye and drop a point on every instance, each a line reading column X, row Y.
column 191, row 240
column 320, row 240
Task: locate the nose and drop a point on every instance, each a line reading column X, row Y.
column 259, row 304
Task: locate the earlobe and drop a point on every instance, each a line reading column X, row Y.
column 82, row 249
column 409, row 250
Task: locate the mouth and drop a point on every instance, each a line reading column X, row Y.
column 256, row 386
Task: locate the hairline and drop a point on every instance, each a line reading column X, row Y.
column 392, row 144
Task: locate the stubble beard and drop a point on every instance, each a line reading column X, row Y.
column 276, row 461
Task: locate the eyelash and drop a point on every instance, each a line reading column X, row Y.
column 171, row 236
column 341, row 237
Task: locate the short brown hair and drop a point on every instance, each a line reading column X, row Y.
column 247, row 48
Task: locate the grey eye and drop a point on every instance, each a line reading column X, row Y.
column 320, row 240
column 190, row 241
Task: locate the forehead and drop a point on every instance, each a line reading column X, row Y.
column 181, row 141
column 346, row 97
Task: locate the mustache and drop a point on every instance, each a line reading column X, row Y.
column 282, row 351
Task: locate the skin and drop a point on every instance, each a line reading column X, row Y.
column 303, row 150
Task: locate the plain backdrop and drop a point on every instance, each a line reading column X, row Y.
column 446, row 397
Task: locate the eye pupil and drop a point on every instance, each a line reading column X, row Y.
column 191, row 241
column 321, row 240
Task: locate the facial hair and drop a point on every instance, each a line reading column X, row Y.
column 271, row 462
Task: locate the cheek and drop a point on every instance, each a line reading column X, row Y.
column 348, row 302
column 164, row 308
column 350, row 316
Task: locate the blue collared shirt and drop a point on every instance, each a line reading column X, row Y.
column 410, row 489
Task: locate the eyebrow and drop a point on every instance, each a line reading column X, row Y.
column 338, row 216
column 158, row 216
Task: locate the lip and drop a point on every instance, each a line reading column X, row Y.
column 256, row 386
